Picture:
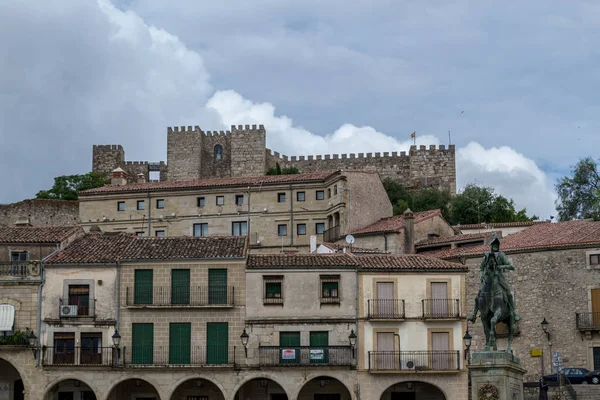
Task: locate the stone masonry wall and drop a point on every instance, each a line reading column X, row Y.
column 40, row 212
column 105, row 158
column 184, row 153
column 212, row 168
column 248, row 146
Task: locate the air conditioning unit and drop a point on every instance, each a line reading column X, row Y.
column 68, row 311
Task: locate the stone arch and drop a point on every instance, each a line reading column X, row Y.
column 24, row 364
column 19, row 376
column 414, row 382
column 251, row 377
column 312, row 377
column 185, row 379
column 150, row 382
column 7, row 300
column 68, row 377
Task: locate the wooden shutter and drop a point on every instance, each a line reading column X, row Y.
column 596, row 307
column 217, row 341
column 217, row 286
column 180, row 337
column 143, row 281
column 439, row 299
column 320, row 354
column 386, row 356
column 289, row 341
column 180, row 286
column 142, row 344
column 440, row 342
column 385, row 300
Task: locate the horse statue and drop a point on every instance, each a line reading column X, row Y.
column 494, row 300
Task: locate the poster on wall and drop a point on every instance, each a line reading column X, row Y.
column 316, row 354
column 288, row 354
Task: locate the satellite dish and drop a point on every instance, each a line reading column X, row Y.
column 410, row 364
column 349, row 239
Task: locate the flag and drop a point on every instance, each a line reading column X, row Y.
column 413, row 135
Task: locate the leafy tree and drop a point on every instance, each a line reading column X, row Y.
column 398, row 195
column 579, row 193
column 423, row 200
column 66, row 187
column 277, row 170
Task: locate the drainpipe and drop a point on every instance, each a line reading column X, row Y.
column 118, row 314
column 291, row 216
column 39, row 305
column 385, row 245
column 358, row 334
column 149, row 216
column 248, row 218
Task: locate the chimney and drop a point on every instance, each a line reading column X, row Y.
column 409, row 232
column 313, row 243
column 119, row 177
column 24, row 221
column 141, row 178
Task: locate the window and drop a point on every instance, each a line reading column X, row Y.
column 595, row 259
column 143, row 286
column 320, row 195
column 160, row 203
column 79, row 295
column 139, row 234
column 320, row 228
column 91, row 348
column 289, row 342
column 281, row 197
column 220, row 200
column 64, row 348
column 239, row 228
column 239, row 199
column 328, row 193
column 282, row 230
column 180, row 335
column 330, row 285
column 120, row 206
column 201, row 201
column 159, row 233
column 334, row 190
column 201, row 229
column 19, row 256
column 218, row 152
column 301, row 229
column 300, row 196
column 141, row 204
column 273, row 289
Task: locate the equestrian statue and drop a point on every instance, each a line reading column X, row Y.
column 495, row 300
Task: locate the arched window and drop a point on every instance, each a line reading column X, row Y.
column 218, row 152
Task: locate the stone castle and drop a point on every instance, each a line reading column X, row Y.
column 196, row 154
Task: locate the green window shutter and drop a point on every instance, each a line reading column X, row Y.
column 289, row 341
column 142, row 344
column 180, row 337
column 217, row 286
column 143, row 286
column 180, row 286
column 217, row 342
column 319, row 353
column 330, row 289
column 273, row 289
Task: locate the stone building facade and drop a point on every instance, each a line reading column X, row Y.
column 40, row 212
column 196, row 154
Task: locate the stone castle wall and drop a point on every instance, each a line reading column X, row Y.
column 191, row 155
column 40, row 212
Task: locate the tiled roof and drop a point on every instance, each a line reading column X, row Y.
column 210, row 183
column 453, row 239
column 341, row 247
column 490, row 225
column 37, row 234
column 537, row 237
column 112, row 247
column 411, row 262
column 395, row 223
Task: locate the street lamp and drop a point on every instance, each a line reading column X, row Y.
column 244, row 338
column 352, row 340
column 545, row 325
column 33, row 343
column 116, row 338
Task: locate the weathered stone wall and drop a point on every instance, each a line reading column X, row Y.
column 105, row 158
column 551, row 284
column 212, row 168
column 184, row 147
column 248, row 146
column 40, row 212
column 365, row 188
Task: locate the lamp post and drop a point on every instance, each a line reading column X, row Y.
column 33, row 343
column 467, row 341
column 116, row 338
column 545, row 326
column 244, row 338
column 352, row 340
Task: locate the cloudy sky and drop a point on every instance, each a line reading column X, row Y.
column 517, row 85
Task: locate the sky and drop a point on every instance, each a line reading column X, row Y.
column 516, row 85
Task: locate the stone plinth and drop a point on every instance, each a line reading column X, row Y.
column 499, row 369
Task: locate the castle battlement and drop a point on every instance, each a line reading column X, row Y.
column 136, row 162
column 107, row 147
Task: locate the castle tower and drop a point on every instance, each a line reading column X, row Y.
column 248, row 144
column 105, row 158
column 184, row 153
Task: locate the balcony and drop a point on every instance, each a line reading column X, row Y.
column 392, row 309
column 305, row 356
column 332, row 234
column 181, row 297
column 412, row 361
column 180, row 356
column 19, row 269
column 16, row 338
column 85, row 309
column 441, row 308
column 589, row 321
column 78, row 356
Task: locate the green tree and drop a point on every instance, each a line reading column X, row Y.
column 398, row 195
column 66, row 187
column 423, row 200
column 277, row 170
column 579, row 193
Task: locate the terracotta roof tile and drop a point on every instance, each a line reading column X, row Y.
column 210, row 183
column 340, row 247
column 406, row 262
column 37, row 234
column 395, row 223
column 112, row 247
column 300, row 260
column 453, row 239
column 490, row 225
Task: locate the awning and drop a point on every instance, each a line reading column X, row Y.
column 7, row 317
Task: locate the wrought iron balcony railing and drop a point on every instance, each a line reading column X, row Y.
column 78, row 356
column 179, row 355
column 589, row 321
column 441, row 308
column 290, row 356
column 414, row 361
column 181, row 296
column 385, row 309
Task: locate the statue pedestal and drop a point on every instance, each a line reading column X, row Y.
column 498, row 369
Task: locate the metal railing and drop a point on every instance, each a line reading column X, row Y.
column 19, row 269
column 78, row 356
column 589, row 321
column 178, row 296
column 181, row 355
column 273, row 300
column 414, row 360
column 565, row 383
column 440, row 308
column 330, row 300
column 66, row 310
column 385, row 309
column 331, row 234
column 299, row 356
